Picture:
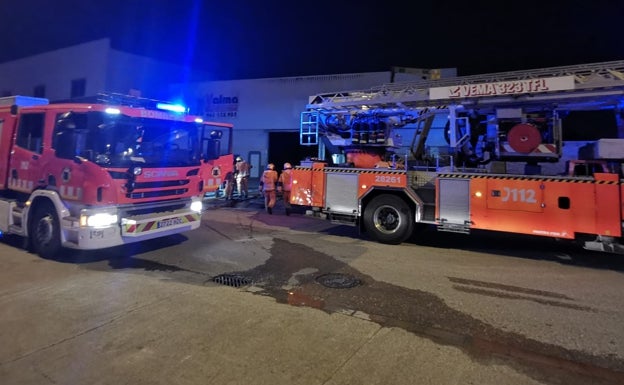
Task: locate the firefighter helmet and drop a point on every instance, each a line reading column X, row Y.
column 239, row 159
column 270, row 166
column 287, row 166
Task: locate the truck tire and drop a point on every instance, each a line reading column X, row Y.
column 45, row 231
column 388, row 219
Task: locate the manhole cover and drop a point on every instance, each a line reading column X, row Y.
column 234, row 280
column 338, row 280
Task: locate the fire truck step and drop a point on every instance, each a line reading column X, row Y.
column 343, row 219
column 18, row 230
column 429, row 212
column 17, row 219
column 454, row 228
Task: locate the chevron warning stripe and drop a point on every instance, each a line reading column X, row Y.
column 544, row 148
column 527, row 178
column 354, row 170
column 137, row 228
column 365, row 171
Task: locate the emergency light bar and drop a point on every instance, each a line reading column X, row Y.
column 134, row 101
column 171, row 107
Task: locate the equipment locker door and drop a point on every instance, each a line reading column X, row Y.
column 341, row 192
column 454, row 201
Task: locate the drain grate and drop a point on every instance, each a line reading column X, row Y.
column 234, row 280
column 338, row 280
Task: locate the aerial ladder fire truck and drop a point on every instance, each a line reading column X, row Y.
column 482, row 152
column 98, row 174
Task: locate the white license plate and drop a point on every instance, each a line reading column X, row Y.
column 169, row 222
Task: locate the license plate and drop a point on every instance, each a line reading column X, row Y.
column 96, row 234
column 169, row 222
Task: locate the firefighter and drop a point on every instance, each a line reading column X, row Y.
column 229, row 185
column 242, row 177
column 229, row 182
column 268, row 183
column 284, row 184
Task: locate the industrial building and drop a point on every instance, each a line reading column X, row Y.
column 265, row 112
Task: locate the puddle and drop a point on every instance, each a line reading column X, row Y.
column 299, row 298
column 425, row 314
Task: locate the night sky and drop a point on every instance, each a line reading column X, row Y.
column 232, row 39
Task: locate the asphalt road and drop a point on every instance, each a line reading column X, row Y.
column 252, row 298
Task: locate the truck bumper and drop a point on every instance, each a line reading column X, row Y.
column 130, row 230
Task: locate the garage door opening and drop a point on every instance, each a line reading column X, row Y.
column 284, row 147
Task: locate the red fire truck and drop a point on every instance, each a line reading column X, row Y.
column 95, row 175
column 481, row 152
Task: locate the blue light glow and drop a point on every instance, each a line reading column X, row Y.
column 113, row 111
column 171, row 107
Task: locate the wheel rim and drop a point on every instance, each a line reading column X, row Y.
column 45, row 230
column 387, row 219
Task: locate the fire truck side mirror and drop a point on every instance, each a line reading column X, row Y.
column 213, row 149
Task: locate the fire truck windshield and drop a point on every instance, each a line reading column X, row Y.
column 120, row 140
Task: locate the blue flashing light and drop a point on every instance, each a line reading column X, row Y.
column 171, row 107
column 199, row 120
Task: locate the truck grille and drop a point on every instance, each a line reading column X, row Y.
column 152, row 208
column 152, row 188
column 160, row 184
column 156, row 193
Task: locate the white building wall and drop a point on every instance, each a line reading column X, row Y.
column 259, row 106
column 103, row 68
column 56, row 69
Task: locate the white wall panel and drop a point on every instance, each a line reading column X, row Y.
column 56, row 69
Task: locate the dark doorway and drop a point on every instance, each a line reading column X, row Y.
column 285, row 147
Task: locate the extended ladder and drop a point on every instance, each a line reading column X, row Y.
column 598, row 79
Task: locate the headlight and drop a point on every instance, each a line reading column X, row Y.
column 197, row 206
column 98, row 220
column 113, row 111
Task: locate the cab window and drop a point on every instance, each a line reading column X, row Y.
column 30, row 132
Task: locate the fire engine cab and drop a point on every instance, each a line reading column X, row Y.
column 479, row 152
column 97, row 174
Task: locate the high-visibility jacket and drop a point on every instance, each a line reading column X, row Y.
column 285, row 179
column 242, row 169
column 269, row 180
